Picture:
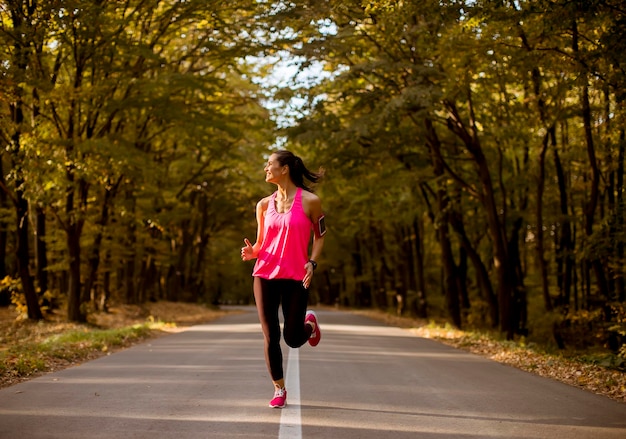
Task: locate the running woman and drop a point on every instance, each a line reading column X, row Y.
column 283, row 270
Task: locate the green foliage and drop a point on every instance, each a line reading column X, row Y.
column 452, row 134
column 141, row 118
column 494, row 81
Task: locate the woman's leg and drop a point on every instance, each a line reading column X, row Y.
column 295, row 300
column 267, row 298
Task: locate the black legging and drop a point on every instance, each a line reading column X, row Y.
column 268, row 295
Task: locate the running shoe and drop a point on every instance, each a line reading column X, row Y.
column 280, row 399
column 316, row 334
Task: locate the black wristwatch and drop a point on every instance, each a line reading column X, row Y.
column 313, row 263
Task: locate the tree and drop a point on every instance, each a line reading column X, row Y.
column 138, row 104
column 19, row 28
column 500, row 83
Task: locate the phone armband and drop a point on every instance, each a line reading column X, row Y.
column 320, row 227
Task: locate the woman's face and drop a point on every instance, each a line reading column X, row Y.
column 274, row 170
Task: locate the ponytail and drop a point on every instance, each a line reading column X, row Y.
column 297, row 170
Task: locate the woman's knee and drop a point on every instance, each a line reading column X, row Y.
column 294, row 341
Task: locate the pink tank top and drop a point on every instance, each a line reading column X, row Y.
column 285, row 247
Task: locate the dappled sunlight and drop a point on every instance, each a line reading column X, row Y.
column 153, row 376
column 221, row 327
column 378, row 331
column 205, row 416
column 370, row 353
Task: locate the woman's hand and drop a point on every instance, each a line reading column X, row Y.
column 308, row 277
column 247, row 252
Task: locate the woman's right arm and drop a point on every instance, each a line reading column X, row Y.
column 261, row 208
column 252, row 251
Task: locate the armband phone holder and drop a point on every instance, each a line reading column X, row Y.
column 321, row 226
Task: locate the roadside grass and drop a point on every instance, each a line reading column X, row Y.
column 29, row 349
column 28, row 359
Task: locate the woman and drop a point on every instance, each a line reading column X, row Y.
column 284, row 270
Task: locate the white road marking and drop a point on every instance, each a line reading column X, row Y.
column 290, row 419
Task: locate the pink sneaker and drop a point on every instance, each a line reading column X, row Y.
column 316, row 334
column 280, row 399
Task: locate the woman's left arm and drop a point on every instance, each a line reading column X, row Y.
column 313, row 208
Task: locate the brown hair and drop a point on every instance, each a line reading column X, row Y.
column 297, row 171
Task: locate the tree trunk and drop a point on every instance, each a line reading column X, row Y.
column 41, row 253
column 495, row 227
column 20, row 18
column 130, row 290
column 77, row 299
column 541, row 260
column 620, row 282
column 103, row 302
column 381, row 273
column 197, row 274
column 3, row 226
column 176, row 276
column 461, row 278
column 405, row 268
column 421, row 304
column 93, row 261
column 447, row 259
column 5, row 295
column 75, row 309
column 449, row 268
column 482, row 275
column 519, row 307
column 539, row 236
column 565, row 247
column 591, row 205
column 363, row 296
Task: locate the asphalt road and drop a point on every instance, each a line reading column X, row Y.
column 364, row 380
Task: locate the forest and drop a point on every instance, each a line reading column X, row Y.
column 473, row 154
